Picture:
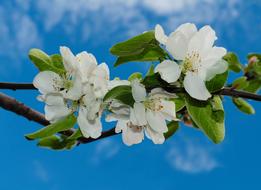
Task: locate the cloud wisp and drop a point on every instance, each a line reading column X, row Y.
column 191, row 157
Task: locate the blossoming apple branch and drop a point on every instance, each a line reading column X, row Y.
column 186, row 86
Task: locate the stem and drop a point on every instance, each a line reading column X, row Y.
column 224, row 91
column 17, row 86
column 11, row 104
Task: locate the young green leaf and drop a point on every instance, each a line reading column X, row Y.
column 254, row 85
column 243, row 106
column 240, row 83
column 133, row 46
column 62, row 125
column 55, row 142
column 43, row 62
column 122, row 93
column 210, row 120
column 217, row 82
column 173, row 126
column 179, row 103
column 134, row 76
column 148, row 54
column 234, row 63
column 57, row 61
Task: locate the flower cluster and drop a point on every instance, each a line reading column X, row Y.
column 81, row 89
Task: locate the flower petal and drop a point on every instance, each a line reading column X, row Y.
column 202, row 41
column 157, row 138
column 75, row 92
column 132, row 135
column 195, row 86
column 69, row 60
column 168, row 110
column 160, row 34
column 177, row 45
column 56, row 112
column 168, row 70
column 117, row 82
column 87, row 63
column 139, row 112
column 138, row 91
column 89, row 128
column 47, row 82
column 156, row 121
column 218, row 68
column 188, row 29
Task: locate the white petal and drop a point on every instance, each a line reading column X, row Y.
column 177, row 45
column 157, row 138
column 47, row 82
column 117, row 82
column 87, row 63
column 139, row 112
column 138, row 91
column 168, row 70
column 69, row 60
column 156, row 121
column 218, row 68
column 121, row 125
column 55, row 113
column 188, row 29
column 92, row 128
column 168, row 110
column 202, row 41
column 132, row 135
column 75, row 92
column 160, row 34
column 196, row 87
column 54, row 99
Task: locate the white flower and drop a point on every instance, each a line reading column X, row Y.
column 131, row 134
column 201, row 61
column 152, row 111
column 95, row 79
column 81, row 89
column 147, row 116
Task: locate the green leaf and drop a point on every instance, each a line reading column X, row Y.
column 179, row 103
column 233, row 62
column 254, row 85
column 133, row 46
column 148, row 54
column 217, row 82
column 62, row 125
column 43, row 62
column 150, row 71
column 122, row 93
column 240, row 83
column 208, row 116
column 153, row 81
column 243, row 106
column 57, row 61
column 173, row 126
column 136, row 75
column 55, row 142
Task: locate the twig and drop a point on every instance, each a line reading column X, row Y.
column 224, row 91
column 11, row 104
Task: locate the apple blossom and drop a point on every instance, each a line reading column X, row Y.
column 201, row 61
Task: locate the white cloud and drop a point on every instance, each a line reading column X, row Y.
column 40, row 171
column 191, row 157
column 19, row 33
column 104, row 150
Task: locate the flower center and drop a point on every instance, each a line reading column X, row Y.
column 153, row 104
column 191, row 62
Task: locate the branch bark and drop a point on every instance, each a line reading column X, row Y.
column 11, row 104
column 224, row 91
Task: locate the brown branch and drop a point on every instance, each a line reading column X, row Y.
column 17, row 86
column 224, row 91
column 11, row 104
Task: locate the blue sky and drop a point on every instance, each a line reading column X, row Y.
column 188, row 160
